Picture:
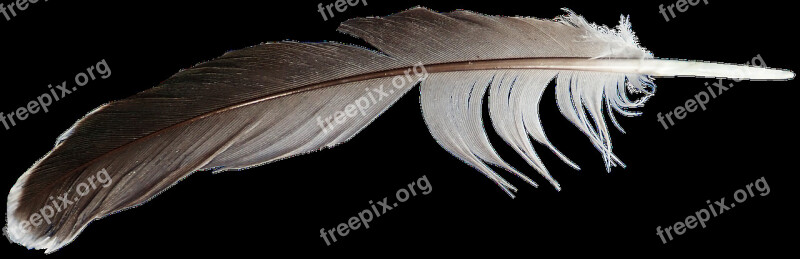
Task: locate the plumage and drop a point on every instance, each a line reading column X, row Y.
column 260, row 104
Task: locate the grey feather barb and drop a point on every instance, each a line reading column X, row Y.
column 259, row 104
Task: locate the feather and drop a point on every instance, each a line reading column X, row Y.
column 264, row 103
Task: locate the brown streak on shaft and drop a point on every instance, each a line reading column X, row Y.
column 495, row 64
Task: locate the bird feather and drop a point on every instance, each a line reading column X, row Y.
column 259, row 104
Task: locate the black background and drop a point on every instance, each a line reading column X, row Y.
column 746, row 134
